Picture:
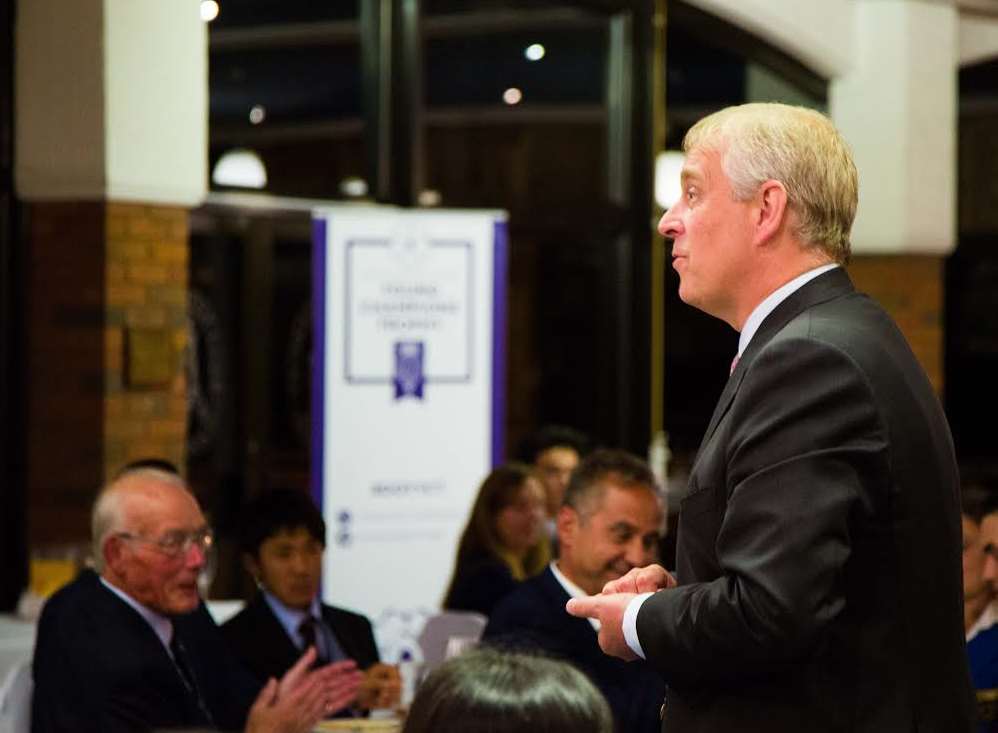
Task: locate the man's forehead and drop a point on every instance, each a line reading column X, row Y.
column 697, row 166
column 148, row 501
column 634, row 503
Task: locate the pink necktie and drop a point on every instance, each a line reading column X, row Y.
column 734, row 363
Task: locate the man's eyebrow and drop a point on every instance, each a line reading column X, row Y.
column 623, row 525
column 688, row 175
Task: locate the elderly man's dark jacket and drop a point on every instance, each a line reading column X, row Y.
column 533, row 617
column 99, row 666
column 819, row 549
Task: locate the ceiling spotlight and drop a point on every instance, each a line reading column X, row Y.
column 429, row 197
column 209, row 10
column 534, row 52
column 240, row 168
column 512, row 96
column 257, row 114
column 353, row 187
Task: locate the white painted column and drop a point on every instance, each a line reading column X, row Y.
column 897, row 107
column 111, row 101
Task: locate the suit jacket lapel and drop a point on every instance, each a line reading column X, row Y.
column 826, row 286
column 558, row 597
column 346, row 637
column 275, row 640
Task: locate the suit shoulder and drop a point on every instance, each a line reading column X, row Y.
column 343, row 615
column 527, row 605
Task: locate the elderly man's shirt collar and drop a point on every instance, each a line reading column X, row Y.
column 160, row 624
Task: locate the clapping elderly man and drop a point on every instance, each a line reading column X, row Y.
column 132, row 648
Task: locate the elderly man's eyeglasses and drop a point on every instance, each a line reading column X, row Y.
column 176, row 543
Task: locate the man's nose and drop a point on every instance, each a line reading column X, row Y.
column 990, row 567
column 669, row 225
column 197, row 556
column 637, row 554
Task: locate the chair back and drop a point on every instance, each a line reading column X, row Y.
column 15, row 699
column 448, row 633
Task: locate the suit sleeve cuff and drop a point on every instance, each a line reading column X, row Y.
column 631, row 623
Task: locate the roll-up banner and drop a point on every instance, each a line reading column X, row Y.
column 408, row 395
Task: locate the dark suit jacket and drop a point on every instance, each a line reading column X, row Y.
column 534, row 617
column 259, row 640
column 819, row 551
column 99, row 666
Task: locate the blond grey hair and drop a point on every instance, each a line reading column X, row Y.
column 801, row 149
column 106, row 517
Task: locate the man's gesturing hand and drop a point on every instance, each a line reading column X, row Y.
column 641, row 580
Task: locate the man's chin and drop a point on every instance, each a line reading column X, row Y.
column 184, row 601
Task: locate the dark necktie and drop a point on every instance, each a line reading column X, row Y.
column 183, row 664
column 309, row 630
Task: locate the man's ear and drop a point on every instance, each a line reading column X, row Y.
column 252, row 566
column 111, row 551
column 567, row 524
column 771, row 212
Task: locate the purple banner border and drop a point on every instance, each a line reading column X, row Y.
column 319, row 253
column 500, row 284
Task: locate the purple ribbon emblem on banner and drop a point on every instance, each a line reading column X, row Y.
column 409, row 379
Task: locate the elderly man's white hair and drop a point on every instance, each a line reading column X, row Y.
column 106, row 515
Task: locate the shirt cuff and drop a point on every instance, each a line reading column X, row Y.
column 630, row 624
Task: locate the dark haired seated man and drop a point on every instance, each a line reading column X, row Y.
column 609, row 522
column 282, row 537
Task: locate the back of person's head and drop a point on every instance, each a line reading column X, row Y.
column 552, row 436
column 801, row 149
column 154, row 462
column 275, row 511
column 590, row 478
column 486, row 690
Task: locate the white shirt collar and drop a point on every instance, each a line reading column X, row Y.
column 159, row 623
column 571, row 588
column 767, row 306
column 985, row 621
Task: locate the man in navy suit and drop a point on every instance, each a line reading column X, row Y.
column 609, row 523
column 282, row 538
column 134, row 649
column 818, row 554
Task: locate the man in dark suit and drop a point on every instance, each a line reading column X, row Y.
column 609, row 522
column 818, row 558
column 282, row 538
column 134, row 649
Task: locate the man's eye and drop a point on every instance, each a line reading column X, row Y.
column 172, row 541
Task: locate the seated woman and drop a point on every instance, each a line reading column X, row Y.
column 504, row 542
column 282, row 537
column 490, row 691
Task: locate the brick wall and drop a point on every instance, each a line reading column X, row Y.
column 910, row 288
column 107, row 307
column 146, row 292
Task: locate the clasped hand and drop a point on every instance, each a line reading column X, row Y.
column 609, row 606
